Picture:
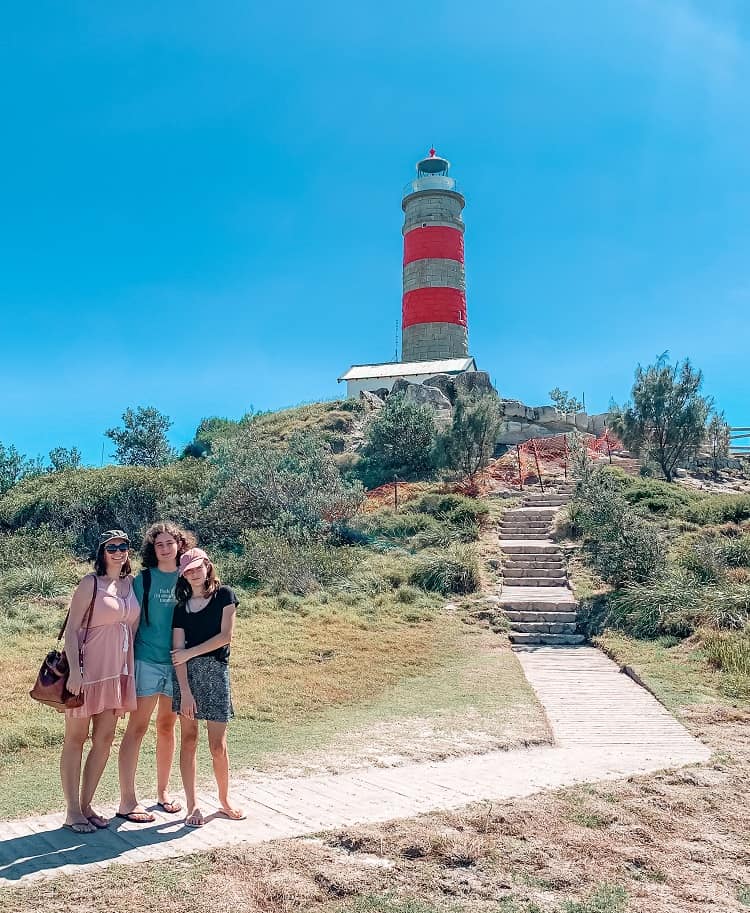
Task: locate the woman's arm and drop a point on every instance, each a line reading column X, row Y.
column 187, row 701
column 181, row 656
column 79, row 604
column 137, row 622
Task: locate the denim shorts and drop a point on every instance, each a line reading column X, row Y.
column 153, row 678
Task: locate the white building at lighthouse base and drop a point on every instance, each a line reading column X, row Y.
column 385, row 375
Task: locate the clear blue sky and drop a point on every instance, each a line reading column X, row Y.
column 201, row 201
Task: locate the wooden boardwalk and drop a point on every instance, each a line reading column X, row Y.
column 605, row 727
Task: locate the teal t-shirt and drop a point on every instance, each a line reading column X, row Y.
column 153, row 641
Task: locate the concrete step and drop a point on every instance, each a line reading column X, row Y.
column 520, row 547
column 547, row 502
column 536, row 581
column 550, row 639
column 537, row 604
column 530, row 513
column 515, row 616
column 510, row 532
column 544, row 627
column 522, row 560
column 525, row 534
column 525, row 524
column 536, row 572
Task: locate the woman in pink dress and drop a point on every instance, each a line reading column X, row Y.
column 104, row 676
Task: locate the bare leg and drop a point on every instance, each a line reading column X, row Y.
column 188, row 751
column 102, row 736
column 165, row 723
column 76, row 733
column 130, row 748
column 217, row 743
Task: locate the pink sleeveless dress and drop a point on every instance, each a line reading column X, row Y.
column 108, row 668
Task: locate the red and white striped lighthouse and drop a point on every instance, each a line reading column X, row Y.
column 434, row 322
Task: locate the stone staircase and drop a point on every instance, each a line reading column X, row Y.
column 535, row 596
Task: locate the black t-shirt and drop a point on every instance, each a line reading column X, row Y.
column 202, row 626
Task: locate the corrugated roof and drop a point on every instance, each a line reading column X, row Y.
column 406, row 368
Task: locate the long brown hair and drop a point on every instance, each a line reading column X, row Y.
column 100, row 564
column 183, row 590
column 184, row 539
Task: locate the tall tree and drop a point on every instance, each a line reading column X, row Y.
column 717, row 434
column 564, row 402
column 142, row 441
column 13, row 467
column 63, row 458
column 469, row 443
column 666, row 418
column 400, row 443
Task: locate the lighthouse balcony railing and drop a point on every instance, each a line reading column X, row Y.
column 431, row 182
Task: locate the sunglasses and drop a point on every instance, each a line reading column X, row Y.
column 122, row 547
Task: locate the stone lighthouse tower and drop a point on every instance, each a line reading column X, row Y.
column 434, row 302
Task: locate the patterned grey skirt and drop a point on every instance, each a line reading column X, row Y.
column 209, row 681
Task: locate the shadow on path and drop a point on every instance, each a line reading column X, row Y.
column 28, row 854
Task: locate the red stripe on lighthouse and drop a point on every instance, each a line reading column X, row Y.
column 436, row 241
column 436, row 304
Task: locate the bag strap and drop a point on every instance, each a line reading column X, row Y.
column 87, row 616
column 146, row 574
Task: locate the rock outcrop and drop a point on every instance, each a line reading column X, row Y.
column 520, row 422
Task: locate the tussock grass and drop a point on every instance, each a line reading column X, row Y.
column 453, row 571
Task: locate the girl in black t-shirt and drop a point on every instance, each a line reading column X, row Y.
column 201, row 634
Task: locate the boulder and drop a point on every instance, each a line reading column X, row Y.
column 473, row 382
column 514, row 408
column 512, row 433
column 371, row 400
column 428, row 396
column 382, row 392
column 399, row 385
column 444, row 383
column 597, row 423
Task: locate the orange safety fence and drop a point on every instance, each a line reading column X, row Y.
column 536, row 459
column 546, row 456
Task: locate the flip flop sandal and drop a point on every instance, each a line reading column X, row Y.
column 136, row 817
column 232, row 817
column 171, row 808
column 98, row 821
column 80, row 828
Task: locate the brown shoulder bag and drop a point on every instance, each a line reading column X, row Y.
column 51, row 685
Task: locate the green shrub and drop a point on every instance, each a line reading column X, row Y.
column 387, row 523
column 728, row 651
column 735, row 552
column 718, row 509
column 284, row 560
column 45, row 581
column 622, row 546
column 456, row 509
column 79, row 504
column 400, row 443
column 296, row 484
column 454, row 571
column 704, row 560
column 658, row 497
column 675, row 604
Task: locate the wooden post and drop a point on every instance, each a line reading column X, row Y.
column 395, row 492
column 536, row 460
column 565, row 459
column 520, row 468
